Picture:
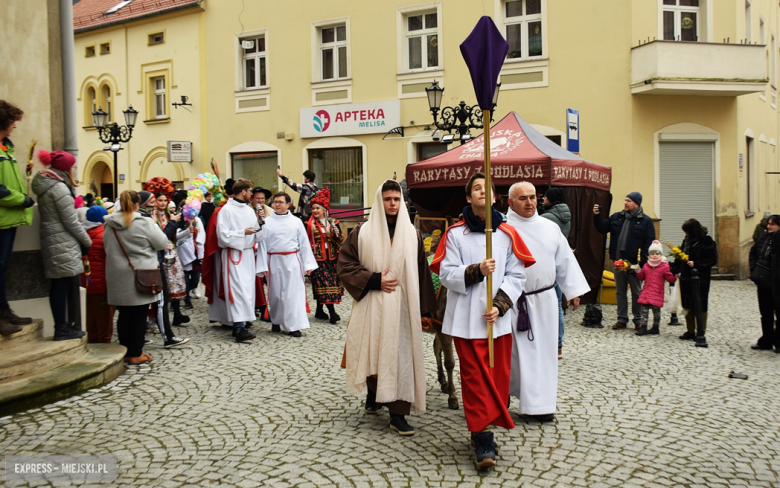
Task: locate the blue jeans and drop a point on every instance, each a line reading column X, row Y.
column 7, row 237
column 560, row 315
column 239, row 325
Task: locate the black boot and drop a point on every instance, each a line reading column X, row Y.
column 334, row 317
column 642, row 330
column 485, row 449
column 371, row 406
column 320, row 313
column 398, row 423
column 673, row 320
column 178, row 317
column 64, row 332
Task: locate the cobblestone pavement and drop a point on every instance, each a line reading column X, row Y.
column 652, row 411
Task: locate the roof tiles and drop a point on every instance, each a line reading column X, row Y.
column 91, row 14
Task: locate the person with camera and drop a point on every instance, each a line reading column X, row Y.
column 761, row 273
column 631, row 233
column 307, row 190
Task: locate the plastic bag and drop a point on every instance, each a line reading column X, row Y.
column 674, row 299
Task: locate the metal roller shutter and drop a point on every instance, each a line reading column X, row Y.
column 687, row 187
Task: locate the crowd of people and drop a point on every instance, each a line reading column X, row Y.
column 139, row 256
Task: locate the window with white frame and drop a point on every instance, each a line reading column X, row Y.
column 92, row 99
column 681, row 20
column 772, row 68
column 107, row 100
column 254, row 62
column 160, row 108
column 422, row 40
column 523, row 28
column 333, row 52
column 748, row 22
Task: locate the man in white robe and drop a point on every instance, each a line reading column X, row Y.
column 289, row 260
column 534, row 378
column 238, row 229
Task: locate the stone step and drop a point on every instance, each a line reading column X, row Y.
column 100, row 365
column 723, row 276
column 37, row 357
column 29, row 333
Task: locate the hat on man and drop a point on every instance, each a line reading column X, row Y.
column 635, row 197
column 96, row 213
column 556, row 195
column 258, row 189
column 145, row 196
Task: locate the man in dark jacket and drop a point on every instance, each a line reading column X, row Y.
column 207, row 209
column 631, row 233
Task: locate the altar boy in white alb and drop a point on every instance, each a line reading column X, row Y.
column 289, row 259
column 534, row 378
column 238, row 230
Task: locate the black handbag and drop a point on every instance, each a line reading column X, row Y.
column 762, row 273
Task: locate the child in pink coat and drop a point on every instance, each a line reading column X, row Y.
column 655, row 272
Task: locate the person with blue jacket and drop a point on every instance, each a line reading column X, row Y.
column 630, row 234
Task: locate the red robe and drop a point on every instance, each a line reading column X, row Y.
column 212, row 247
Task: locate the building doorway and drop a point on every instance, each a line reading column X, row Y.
column 687, row 187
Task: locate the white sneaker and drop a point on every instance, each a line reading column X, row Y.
column 195, row 293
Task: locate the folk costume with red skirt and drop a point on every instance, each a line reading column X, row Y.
column 325, row 238
column 457, row 259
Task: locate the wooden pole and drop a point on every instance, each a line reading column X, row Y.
column 488, row 226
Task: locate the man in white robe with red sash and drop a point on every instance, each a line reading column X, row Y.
column 238, row 229
column 289, row 260
column 461, row 263
column 535, row 352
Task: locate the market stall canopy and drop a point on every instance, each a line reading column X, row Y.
column 518, row 152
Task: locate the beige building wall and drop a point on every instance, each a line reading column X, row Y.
column 127, row 70
column 587, row 65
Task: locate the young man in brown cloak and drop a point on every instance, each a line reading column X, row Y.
column 382, row 264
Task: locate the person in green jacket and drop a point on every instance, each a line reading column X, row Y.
column 15, row 210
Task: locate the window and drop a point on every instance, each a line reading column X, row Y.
column 160, row 108
column 89, row 51
column 341, row 170
column 333, row 52
column 523, row 28
column 105, row 48
column 254, row 63
column 258, row 167
column 422, row 41
column 156, row 38
column 681, row 20
column 772, row 69
column 750, row 177
column 427, row 150
column 90, row 105
column 107, row 101
column 748, row 22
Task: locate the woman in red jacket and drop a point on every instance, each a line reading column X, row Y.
column 100, row 315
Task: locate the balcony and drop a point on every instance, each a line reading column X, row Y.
column 697, row 68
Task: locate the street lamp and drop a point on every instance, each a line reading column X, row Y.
column 460, row 119
column 115, row 134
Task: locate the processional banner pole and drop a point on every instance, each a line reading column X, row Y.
column 484, row 51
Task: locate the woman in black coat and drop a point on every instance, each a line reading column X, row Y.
column 702, row 256
column 765, row 248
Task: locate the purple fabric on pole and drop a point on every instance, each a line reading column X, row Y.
column 484, row 51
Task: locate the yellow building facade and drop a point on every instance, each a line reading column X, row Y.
column 678, row 96
column 149, row 60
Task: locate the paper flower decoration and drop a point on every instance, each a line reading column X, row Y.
column 159, row 184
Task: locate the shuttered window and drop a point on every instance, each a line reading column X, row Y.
column 259, row 168
column 686, row 187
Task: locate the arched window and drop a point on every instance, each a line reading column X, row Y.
column 90, row 105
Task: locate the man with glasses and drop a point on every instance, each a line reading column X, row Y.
column 289, row 259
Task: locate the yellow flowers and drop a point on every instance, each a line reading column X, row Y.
column 677, row 253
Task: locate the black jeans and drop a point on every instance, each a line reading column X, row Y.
column 770, row 314
column 165, row 326
column 192, row 278
column 7, row 237
column 65, row 301
column 131, row 328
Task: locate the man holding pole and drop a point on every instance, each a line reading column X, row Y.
column 463, row 264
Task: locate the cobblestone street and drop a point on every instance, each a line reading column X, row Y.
column 651, row 411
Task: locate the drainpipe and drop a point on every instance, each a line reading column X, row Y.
column 68, row 80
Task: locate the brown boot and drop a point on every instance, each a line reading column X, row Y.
column 9, row 316
column 560, row 353
column 619, row 325
column 7, row 329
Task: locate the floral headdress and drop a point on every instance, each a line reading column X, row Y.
column 159, row 184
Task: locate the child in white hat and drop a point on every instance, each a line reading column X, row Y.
column 655, row 272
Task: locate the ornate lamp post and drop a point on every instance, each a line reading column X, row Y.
column 460, row 119
column 115, row 134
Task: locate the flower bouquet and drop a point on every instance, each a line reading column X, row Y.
column 677, row 253
column 622, row 265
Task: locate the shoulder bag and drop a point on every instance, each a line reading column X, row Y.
column 762, row 273
column 147, row 281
